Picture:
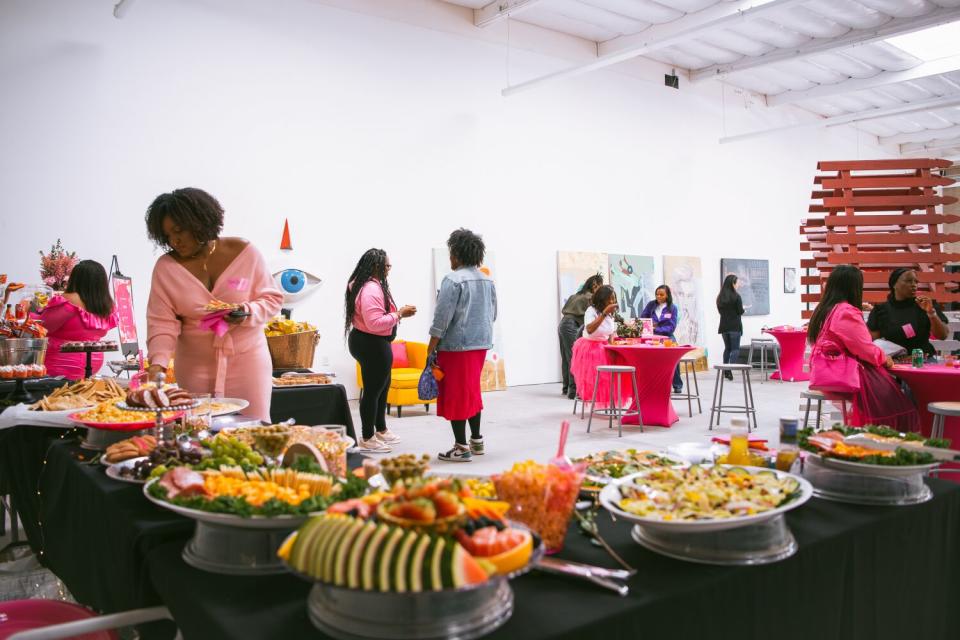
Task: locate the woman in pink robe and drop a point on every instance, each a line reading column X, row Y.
column 199, row 267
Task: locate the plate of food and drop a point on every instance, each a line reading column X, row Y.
column 109, row 417
column 128, row 449
column 219, row 305
column 868, row 451
column 129, row 470
column 703, row 498
column 82, row 394
column 264, row 498
column 606, row 466
column 302, row 380
column 224, row 406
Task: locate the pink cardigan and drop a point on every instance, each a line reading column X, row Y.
column 370, row 311
column 847, row 325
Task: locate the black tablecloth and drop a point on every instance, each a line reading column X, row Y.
column 861, row 572
column 323, row 404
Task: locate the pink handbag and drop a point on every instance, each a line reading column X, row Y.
column 832, row 369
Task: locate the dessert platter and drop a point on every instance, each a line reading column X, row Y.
column 871, row 465
column 89, row 348
column 713, row 514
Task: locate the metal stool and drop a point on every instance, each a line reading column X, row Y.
column 616, row 410
column 763, row 344
column 690, row 362
column 747, row 408
column 940, row 411
column 583, row 404
column 812, row 395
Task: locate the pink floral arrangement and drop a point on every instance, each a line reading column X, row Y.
column 55, row 267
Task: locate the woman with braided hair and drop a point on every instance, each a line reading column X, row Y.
column 371, row 319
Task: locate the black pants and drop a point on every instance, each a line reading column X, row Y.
column 376, row 360
column 731, row 346
column 569, row 330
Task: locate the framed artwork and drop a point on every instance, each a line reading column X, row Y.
column 494, row 375
column 753, row 278
column 684, row 276
column 789, row 279
column 573, row 269
column 632, row 278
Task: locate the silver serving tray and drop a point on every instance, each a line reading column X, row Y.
column 610, row 498
column 840, row 485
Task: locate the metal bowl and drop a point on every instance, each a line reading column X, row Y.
column 14, row 351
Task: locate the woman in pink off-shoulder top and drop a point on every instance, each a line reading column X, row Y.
column 199, row 267
column 83, row 313
column 837, row 326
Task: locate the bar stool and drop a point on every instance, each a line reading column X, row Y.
column 763, row 344
column 747, row 408
column 811, row 396
column 690, row 362
column 940, row 411
column 617, row 410
column 583, row 404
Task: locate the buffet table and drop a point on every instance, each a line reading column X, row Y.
column 655, row 367
column 314, row 405
column 793, row 343
column 850, row 579
column 933, row 383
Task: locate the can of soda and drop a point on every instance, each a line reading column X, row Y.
column 916, row 357
column 788, row 430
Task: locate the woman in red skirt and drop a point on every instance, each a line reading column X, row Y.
column 461, row 333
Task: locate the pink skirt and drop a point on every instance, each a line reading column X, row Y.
column 587, row 356
column 880, row 401
column 459, row 397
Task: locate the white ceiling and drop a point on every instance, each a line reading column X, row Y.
column 829, row 57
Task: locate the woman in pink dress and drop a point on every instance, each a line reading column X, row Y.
column 837, row 327
column 589, row 351
column 83, row 313
column 199, row 267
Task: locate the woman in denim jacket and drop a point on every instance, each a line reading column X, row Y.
column 461, row 333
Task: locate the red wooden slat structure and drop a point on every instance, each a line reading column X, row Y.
column 879, row 221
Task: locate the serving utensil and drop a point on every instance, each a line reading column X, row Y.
column 600, row 576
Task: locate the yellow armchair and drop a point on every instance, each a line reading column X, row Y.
column 405, row 380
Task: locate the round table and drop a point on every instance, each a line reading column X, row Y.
column 655, row 367
column 793, row 342
column 933, row 383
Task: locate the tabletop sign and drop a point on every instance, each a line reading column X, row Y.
column 123, row 299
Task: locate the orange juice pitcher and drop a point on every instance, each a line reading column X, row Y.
column 739, row 442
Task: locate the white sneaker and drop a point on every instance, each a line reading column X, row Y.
column 459, row 453
column 387, row 437
column 373, row 445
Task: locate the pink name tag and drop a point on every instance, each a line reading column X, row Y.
column 667, row 316
column 239, row 284
column 908, row 330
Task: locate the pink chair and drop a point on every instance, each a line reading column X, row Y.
column 52, row 619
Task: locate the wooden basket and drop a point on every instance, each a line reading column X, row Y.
column 293, row 350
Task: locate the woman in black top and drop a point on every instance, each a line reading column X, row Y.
column 905, row 318
column 730, row 306
column 571, row 326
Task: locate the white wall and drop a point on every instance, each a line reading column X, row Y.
column 366, row 131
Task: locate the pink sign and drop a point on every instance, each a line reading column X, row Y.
column 123, row 299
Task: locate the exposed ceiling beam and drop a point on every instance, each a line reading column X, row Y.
column 849, row 118
column 894, row 27
column 922, row 136
column 939, row 143
column 499, row 10
column 884, row 78
column 720, row 15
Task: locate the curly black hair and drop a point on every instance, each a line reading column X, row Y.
column 602, row 297
column 191, row 209
column 372, row 265
column 467, row 247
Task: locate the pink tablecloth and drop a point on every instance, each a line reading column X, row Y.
column 655, row 366
column 933, row 383
column 793, row 342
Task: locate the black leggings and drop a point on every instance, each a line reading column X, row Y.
column 460, row 429
column 376, row 360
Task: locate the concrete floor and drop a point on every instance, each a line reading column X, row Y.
column 524, row 423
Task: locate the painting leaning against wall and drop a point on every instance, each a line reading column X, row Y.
column 494, row 375
column 632, row 278
column 573, row 269
column 684, row 276
column 753, row 280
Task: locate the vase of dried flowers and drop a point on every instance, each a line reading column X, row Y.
column 55, row 267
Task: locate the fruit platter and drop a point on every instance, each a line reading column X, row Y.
column 422, row 560
column 715, row 514
column 607, row 466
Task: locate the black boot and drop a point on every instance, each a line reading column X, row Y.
column 728, row 375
